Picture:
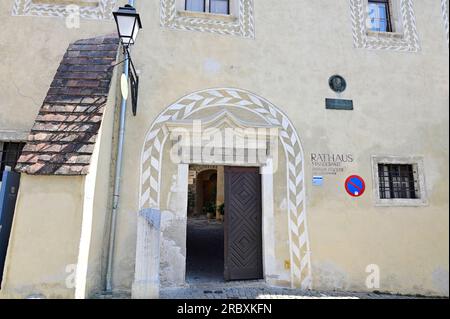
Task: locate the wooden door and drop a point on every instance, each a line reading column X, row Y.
column 8, row 197
column 243, row 224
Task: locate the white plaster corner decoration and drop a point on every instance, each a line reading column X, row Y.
column 406, row 40
column 152, row 157
column 90, row 9
column 240, row 25
column 444, row 6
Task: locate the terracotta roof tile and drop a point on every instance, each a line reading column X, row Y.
column 63, row 137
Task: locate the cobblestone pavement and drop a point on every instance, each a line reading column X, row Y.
column 253, row 291
column 258, row 290
column 204, row 260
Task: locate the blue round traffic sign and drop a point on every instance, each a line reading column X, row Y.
column 355, row 186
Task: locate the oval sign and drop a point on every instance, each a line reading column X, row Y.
column 124, row 86
column 355, row 186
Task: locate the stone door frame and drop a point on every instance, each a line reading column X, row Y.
column 267, row 203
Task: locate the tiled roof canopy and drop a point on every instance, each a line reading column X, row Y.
column 62, row 139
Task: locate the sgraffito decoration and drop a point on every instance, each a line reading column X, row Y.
column 150, row 186
column 89, row 9
column 241, row 25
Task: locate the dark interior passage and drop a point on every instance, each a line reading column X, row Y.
column 205, row 227
column 205, row 250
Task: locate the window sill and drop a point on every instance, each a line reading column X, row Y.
column 401, row 203
column 208, row 16
column 13, row 136
column 389, row 35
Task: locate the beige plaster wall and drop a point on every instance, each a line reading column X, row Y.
column 90, row 202
column 401, row 108
column 31, row 49
column 43, row 247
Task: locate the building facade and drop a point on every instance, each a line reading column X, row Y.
column 323, row 125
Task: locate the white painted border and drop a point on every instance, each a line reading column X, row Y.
column 413, row 160
column 29, row 8
column 86, row 225
column 150, row 173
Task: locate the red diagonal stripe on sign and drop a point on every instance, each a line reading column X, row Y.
column 356, row 186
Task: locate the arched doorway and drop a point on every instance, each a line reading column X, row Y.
column 221, row 108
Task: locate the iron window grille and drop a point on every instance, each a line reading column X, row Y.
column 380, row 15
column 211, row 6
column 398, row 181
column 9, row 154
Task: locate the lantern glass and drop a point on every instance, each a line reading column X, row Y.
column 127, row 29
column 128, row 24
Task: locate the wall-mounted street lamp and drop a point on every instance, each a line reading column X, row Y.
column 128, row 24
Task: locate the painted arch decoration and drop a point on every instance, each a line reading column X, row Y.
column 152, row 158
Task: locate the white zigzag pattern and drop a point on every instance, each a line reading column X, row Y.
column 152, row 157
column 244, row 27
column 28, row 8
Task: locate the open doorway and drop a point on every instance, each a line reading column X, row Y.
column 205, row 228
column 224, row 226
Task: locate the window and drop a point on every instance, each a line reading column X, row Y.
column 219, row 6
column 9, row 154
column 380, row 16
column 212, row 6
column 195, row 5
column 397, row 181
column 385, row 25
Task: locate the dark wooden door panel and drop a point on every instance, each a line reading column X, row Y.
column 243, row 224
column 8, row 197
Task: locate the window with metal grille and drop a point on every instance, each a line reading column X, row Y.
column 380, row 15
column 212, row 6
column 9, row 154
column 398, row 181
